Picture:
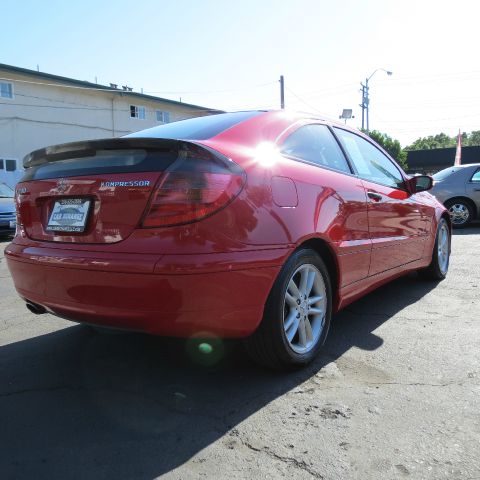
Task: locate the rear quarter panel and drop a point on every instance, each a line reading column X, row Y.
column 330, row 206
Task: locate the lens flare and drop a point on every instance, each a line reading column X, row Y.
column 205, row 348
column 267, row 154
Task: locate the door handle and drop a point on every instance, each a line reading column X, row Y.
column 376, row 197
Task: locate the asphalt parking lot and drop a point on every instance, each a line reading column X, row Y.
column 395, row 395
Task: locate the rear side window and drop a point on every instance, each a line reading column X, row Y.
column 443, row 174
column 476, row 176
column 370, row 162
column 314, row 143
column 199, row 128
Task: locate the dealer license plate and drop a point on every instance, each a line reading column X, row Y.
column 69, row 215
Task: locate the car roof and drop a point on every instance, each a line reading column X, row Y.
column 465, row 165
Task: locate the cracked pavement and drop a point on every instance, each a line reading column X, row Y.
column 395, row 395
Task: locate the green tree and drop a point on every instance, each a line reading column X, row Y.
column 473, row 140
column 441, row 140
column 391, row 145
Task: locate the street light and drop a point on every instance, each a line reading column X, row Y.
column 346, row 114
column 365, row 98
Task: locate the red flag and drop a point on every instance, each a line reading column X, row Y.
column 458, row 153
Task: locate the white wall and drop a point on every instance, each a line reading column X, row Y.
column 42, row 115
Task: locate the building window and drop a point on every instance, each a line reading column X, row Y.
column 163, row 117
column 6, row 90
column 137, row 112
column 10, row 165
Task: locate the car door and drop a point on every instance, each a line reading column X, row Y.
column 472, row 188
column 398, row 222
column 337, row 197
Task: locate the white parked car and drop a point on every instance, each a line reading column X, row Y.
column 8, row 218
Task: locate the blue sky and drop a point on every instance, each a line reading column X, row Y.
column 229, row 55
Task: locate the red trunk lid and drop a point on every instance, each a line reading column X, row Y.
column 90, row 192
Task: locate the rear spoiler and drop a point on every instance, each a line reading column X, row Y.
column 89, row 147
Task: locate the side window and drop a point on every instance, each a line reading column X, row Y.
column 315, row 143
column 137, row 112
column 162, row 117
column 369, row 161
column 6, row 90
column 476, row 176
column 10, row 165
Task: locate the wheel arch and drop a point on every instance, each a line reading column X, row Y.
column 328, row 256
column 447, row 218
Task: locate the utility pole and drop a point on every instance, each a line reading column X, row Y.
column 282, row 92
column 367, row 105
column 366, row 100
column 364, row 104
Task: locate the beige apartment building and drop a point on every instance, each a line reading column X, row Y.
column 39, row 109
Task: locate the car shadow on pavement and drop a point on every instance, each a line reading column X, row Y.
column 76, row 404
column 473, row 228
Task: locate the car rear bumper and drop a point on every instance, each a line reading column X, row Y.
column 172, row 295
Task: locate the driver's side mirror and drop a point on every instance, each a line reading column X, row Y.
column 420, row 183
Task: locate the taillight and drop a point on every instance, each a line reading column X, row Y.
column 19, row 228
column 199, row 183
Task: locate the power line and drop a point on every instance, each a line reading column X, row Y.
column 97, row 109
column 430, row 120
column 94, row 127
column 303, row 101
column 116, row 90
column 200, row 92
column 102, row 89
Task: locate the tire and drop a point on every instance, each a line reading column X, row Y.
column 461, row 212
column 283, row 339
column 438, row 268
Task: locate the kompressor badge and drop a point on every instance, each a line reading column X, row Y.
column 131, row 183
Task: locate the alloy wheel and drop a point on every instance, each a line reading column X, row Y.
column 443, row 248
column 459, row 213
column 305, row 306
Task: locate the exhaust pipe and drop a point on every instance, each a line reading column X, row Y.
column 36, row 309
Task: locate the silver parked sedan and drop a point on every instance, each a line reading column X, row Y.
column 458, row 188
column 8, row 217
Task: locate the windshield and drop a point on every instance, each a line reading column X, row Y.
column 443, row 174
column 5, row 191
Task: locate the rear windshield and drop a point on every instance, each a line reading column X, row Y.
column 443, row 174
column 103, row 162
column 199, row 128
column 5, row 191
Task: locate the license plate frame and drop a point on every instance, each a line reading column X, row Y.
column 69, row 215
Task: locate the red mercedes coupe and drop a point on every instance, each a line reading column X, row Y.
column 255, row 225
